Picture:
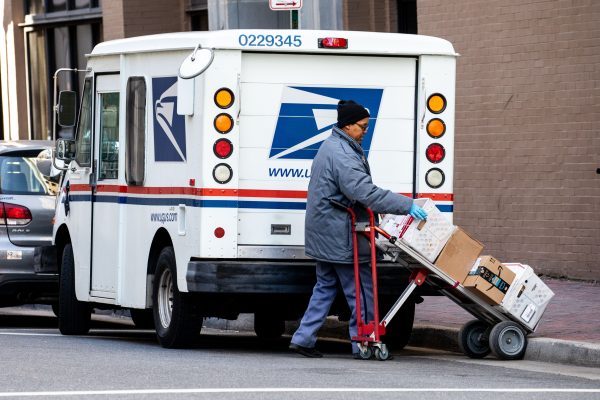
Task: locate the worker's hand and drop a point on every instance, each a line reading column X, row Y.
column 417, row 212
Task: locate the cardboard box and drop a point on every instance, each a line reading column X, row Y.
column 489, row 279
column 528, row 296
column 428, row 237
column 459, row 255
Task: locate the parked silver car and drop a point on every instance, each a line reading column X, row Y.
column 28, row 267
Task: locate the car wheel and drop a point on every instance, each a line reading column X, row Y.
column 176, row 317
column 73, row 315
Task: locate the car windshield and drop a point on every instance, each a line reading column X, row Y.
column 20, row 175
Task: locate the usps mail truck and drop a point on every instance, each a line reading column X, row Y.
column 186, row 181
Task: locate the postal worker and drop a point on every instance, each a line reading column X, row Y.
column 340, row 173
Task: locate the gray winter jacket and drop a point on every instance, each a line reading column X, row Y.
column 340, row 172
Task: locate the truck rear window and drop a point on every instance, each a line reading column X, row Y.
column 21, row 175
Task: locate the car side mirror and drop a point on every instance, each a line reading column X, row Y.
column 66, row 108
column 65, row 150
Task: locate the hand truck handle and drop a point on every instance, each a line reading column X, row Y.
column 339, row 205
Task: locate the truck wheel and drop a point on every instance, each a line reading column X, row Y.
column 142, row 318
column 508, row 341
column 268, row 326
column 397, row 333
column 473, row 339
column 73, row 315
column 176, row 318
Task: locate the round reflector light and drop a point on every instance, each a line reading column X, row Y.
column 435, row 178
column 219, row 232
column 223, row 123
column 435, row 153
column 436, row 103
column 224, row 98
column 436, row 128
column 223, row 148
column 222, row 173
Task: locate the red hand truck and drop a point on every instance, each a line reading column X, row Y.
column 369, row 333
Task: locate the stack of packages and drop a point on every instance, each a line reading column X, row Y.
column 512, row 287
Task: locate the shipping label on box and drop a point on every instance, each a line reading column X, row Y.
column 490, row 279
column 427, row 237
column 527, row 297
column 459, row 255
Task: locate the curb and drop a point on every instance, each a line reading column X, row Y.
column 563, row 351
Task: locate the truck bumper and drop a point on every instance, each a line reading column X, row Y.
column 275, row 277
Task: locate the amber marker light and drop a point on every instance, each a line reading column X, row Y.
column 224, row 98
column 223, row 123
column 436, row 128
column 436, row 103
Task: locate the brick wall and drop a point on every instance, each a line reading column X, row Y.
column 527, row 130
column 128, row 18
column 370, row 15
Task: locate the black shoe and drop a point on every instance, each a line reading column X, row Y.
column 306, row 351
column 357, row 356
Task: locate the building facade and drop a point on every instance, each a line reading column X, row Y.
column 527, row 178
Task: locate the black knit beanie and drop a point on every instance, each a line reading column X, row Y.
column 350, row 112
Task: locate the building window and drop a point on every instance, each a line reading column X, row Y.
column 198, row 13
column 59, row 34
column 35, row 7
column 407, row 16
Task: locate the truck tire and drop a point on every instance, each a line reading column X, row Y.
column 176, row 317
column 268, row 326
column 73, row 315
column 397, row 333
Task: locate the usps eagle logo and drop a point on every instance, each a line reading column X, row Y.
column 307, row 115
column 169, row 127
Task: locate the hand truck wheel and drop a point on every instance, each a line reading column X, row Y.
column 508, row 341
column 365, row 352
column 473, row 339
column 382, row 353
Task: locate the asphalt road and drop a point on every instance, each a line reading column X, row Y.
column 117, row 362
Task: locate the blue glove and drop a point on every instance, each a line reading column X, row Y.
column 417, row 212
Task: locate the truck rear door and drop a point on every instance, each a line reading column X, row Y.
column 288, row 107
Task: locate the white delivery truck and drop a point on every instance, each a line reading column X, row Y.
column 187, row 177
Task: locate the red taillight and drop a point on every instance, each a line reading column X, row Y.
column 333, row 43
column 13, row 214
column 223, row 148
column 435, row 153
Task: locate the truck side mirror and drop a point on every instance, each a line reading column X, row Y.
column 66, row 108
column 65, row 150
column 196, row 63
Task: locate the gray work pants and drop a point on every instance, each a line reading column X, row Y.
column 324, row 292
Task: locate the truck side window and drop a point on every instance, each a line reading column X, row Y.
column 84, row 128
column 136, row 131
column 109, row 136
